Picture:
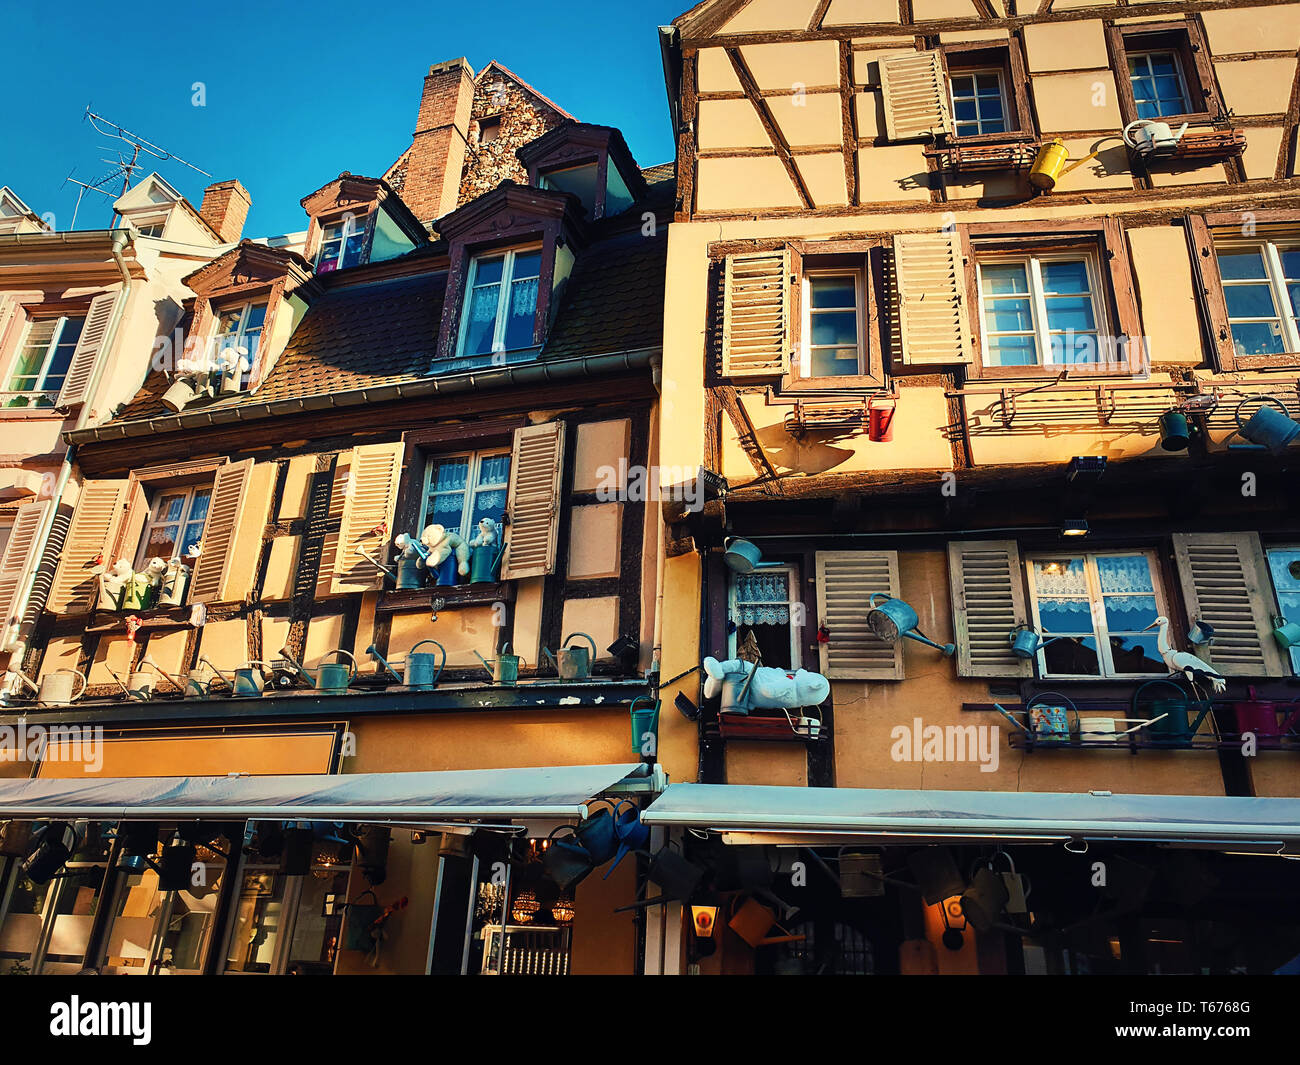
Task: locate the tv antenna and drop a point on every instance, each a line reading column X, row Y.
column 127, row 160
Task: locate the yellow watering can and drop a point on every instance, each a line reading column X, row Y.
column 1049, row 164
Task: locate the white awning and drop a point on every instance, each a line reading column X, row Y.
column 558, row 792
column 754, row 814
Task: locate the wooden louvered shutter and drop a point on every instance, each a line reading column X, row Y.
column 91, row 534
column 329, row 522
column 368, row 505
column 915, row 96
column 930, row 280
column 988, row 602
column 20, row 557
column 756, row 320
column 232, row 535
column 134, row 518
column 1225, row 581
column 76, row 386
column 536, row 463
column 845, row 583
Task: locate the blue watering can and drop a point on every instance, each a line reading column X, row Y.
column 1271, row 427
column 894, row 618
column 485, row 563
column 632, row 835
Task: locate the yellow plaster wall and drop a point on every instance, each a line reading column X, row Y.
column 759, row 16
column 730, row 124
column 461, row 632
column 225, row 643
column 783, row 764
column 1163, row 274
column 860, row 13
column 747, row 183
column 1252, row 29
column 113, row 653
column 1083, row 101
column 812, row 64
column 677, row 736
column 1065, row 45
column 595, row 541
column 598, row 618
column 1257, row 86
column 599, row 447
column 1275, row 774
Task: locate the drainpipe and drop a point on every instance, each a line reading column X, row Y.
column 69, row 456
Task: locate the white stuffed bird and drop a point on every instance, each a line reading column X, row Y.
column 1191, row 667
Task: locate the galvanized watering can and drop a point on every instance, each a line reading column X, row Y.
column 1287, row 633
column 423, row 668
column 573, row 663
column 138, row 686
column 504, row 669
column 250, row 679
column 485, row 564
column 331, row 677
column 1270, row 427
column 56, row 688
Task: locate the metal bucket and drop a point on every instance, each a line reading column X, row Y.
column 423, row 668
column 57, row 687
column 1175, row 431
column 176, row 582
column 444, row 573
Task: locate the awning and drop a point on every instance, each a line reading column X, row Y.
column 754, row 814
column 558, row 792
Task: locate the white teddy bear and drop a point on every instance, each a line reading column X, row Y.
column 408, row 549
column 488, row 535
column 155, row 571
column 441, row 543
column 771, row 688
column 113, row 584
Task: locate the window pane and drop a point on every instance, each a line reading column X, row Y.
column 1074, row 348
column 1290, row 263
column 527, row 264
column 1071, row 616
column 494, row 469
column 1070, row 312
column 488, row 271
column 1009, row 315
column 1065, row 276
column 481, row 326
column 1124, row 573
column 966, row 111
column 963, row 85
column 1136, row 653
column 1013, row 351
column 1060, row 576
column 967, row 129
column 1004, row 278
column 199, row 508
column 988, row 84
column 523, row 314
column 488, row 503
column 1130, row 613
column 834, row 362
column 1073, row 656
column 1294, row 292
column 162, row 541
column 1242, row 265
column 1163, row 63
column 835, row 327
column 991, row 112
column 1256, row 338
column 171, row 508
column 1249, row 301
column 446, row 510
column 833, row 292
column 450, row 475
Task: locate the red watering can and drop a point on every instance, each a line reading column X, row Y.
column 880, row 417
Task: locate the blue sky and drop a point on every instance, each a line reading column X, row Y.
column 296, row 93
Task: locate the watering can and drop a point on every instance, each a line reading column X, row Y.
column 184, row 391
column 250, row 679
column 645, row 720
column 138, row 593
column 880, row 419
column 504, row 669
column 1049, row 164
column 176, row 582
column 331, row 677
column 410, row 574
column 893, row 618
column 1025, row 642
column 1268, row 428
column 1260, row 718
column 485, row 563
column 179, row 683
column 56, row 688
column 1287, row 633
column 1149, row 138
column 423, row 668
column 139, row 686
column 632, row 834
column 1170, row 725
column 740, row 555
column 573, row 663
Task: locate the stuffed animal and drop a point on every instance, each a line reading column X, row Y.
column 113, row 585
column 409, row 549
column 441, row 543
column 154, row 572
column 775, row 689
column 488, row 535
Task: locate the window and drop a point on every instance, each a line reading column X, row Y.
column 765, row 611
column 175, row 523
column 489, row 129
column 1284, row 566
column 460, row 490
column 1099, row 605
column 1159, row 90
column 979, row 102
column 501, row 304
column 1261, row 288
column 239, row 330
column 42, row 361
column 1040, row 310
column 342, row 243
column 833, row 324
column 150, row 229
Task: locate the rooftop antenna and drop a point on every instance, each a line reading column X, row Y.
column 123, row 167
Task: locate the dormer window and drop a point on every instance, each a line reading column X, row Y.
column 342, row 243
column 501, row 302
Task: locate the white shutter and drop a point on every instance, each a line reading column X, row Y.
column 756, row 333
column 1225, row 581
column 846, row 581
column 933, row 320
column 91, row 534
column 76, row 386
column 536, row 463
column 988, row 602
column 20, row 558
column 915, row 96
column 232, row 534
column 368, row 505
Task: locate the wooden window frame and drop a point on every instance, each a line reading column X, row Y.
column 1202, row 248
column 1006, row 57
column 35, row 315
column 794, row 602
column 1118, row 295
column 837, row 256
column 345, row 219
column 1187, row 41
column 1097, row 609
column 507, row 255
column 142, row 556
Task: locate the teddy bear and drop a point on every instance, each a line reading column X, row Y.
column 113, row 585
column 409, row 549
column 441, row 543
column 489, row 533
column 771, row 688
column 154, row 571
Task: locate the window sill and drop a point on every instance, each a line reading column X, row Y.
column 494, row 361
column 169, row 617
column 1039, row 374
column 453, row 596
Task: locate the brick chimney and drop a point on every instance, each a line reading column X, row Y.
column 432, row 187
column 225, row 206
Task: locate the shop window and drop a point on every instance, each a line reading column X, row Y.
column 342, row 243
column 41, row 363
column 460, row 490
column 766, row 612
column 834, row 337
column 1097, row 606
column 1284, row 567
column 1163, row 72
column 175, row 524
column 1261, row 291
column 1041, row 310
column 501, row 302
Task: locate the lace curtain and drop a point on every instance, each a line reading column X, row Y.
column 1125, row 581
column 763, row 599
